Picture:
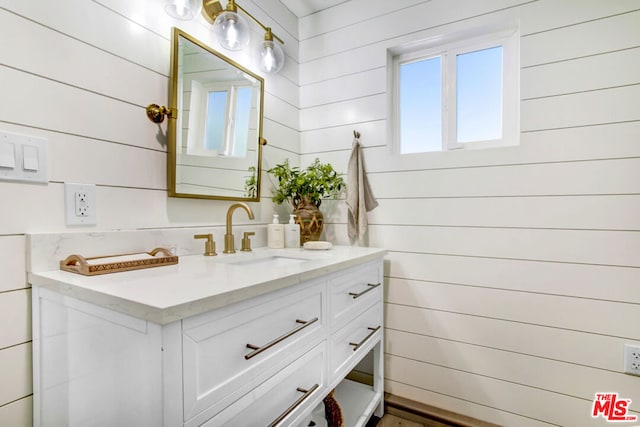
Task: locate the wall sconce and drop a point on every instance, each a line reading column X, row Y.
column 184, row 10
column 231, row 28
column 271, row 54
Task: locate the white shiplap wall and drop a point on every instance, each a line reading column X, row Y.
column 80, row 73
column 513, row 274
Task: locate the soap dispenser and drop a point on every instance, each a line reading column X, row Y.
column 275, row 234
column 292, row 233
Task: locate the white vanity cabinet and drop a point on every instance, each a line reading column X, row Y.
column 267, row 360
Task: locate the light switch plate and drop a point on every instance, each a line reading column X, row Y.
column 25, row 158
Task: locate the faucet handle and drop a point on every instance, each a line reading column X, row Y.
column 246, row 241
column 209, row 245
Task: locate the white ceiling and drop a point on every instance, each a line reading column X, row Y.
column 302, row 8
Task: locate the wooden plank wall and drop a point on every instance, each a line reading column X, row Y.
column 513, row 274
column 80, row 74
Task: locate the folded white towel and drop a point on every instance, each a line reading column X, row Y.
column 360, row 199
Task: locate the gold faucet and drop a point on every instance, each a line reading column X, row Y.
column 210, row 244
column 229, row 246
column 246, row 241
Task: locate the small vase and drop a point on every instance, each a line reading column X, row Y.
column 310, row 218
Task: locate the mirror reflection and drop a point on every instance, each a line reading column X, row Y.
column 214, row 148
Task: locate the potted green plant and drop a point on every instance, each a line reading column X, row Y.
column 305, row 189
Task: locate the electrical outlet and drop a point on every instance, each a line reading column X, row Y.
column 632, row 359
column 80, row 204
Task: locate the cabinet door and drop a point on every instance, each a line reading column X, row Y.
column 354, row 291
column 284, row 399
column 228, row 354
column 94, row 366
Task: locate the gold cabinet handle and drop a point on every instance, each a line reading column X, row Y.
column 297, row 403
column 257, row 350
column 371, row 287
column 361, row 343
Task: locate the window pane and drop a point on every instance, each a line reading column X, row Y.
column 479, row 95
column 216, row 114
column 243, row 114
column 421, row 106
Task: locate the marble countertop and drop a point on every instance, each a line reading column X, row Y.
column 198, row 284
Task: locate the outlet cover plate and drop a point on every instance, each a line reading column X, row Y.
column 80, row 204
column 632, row 359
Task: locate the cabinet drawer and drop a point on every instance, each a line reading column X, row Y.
column 232, row 353
column 352, row 292
column 349, row 344
column 283, row 399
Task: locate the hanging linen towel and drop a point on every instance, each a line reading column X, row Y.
column 360, row 199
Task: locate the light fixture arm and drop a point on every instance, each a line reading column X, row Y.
column 266, row 29
column 211, row 9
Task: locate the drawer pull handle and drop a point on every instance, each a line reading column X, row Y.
column 358, row 345
column 257, row 350
column 291, row 408
column 371, row 287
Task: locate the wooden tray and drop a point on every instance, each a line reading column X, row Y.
column 111, row 263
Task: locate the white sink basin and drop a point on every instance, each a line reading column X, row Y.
column 274, row 261
column 270, row 258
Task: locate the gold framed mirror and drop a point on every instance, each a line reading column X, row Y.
column 215, row 142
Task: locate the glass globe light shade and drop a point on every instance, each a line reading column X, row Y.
column 184, row 10
column 231, row 30
column 271, row 57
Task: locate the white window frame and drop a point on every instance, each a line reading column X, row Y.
column 448, row 47
column 195, row 144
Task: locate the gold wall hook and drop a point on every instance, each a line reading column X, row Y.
column 156, row 113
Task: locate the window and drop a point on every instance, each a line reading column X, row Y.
column 225, row 111
column 462, row 93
